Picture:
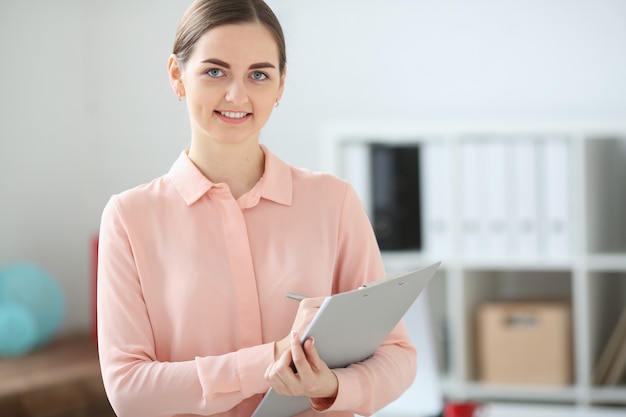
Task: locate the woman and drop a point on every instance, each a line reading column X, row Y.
column 193, row 266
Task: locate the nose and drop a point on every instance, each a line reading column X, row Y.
column 236, row 93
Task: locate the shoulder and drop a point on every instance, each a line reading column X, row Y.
column 141, row 198
column 308, row 178
column 158, row 189
column 282, row 174
column 323, row 188
column 305, row 186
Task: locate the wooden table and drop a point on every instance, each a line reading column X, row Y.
column 61, row 379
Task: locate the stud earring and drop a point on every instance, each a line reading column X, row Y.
column 276, row 104
column 180, row 97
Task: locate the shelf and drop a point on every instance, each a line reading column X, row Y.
column 63, row 360
column 531, row 212
column 61, row 379
column 526, row 393
column 402, row 260
column 608, row 395
column 526, row 410
column 518, row 265
column 501, row 409
column 607, row 262
column 516, row 284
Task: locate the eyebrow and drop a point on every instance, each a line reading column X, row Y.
column 227, row 65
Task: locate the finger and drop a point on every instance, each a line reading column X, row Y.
column 307, row 310
column 327, row 380
column 279, row 386
column 279, row 374
column 278, row 366
column 313, row 302
column 298, row 356
column 284, row 362
column 312, row 355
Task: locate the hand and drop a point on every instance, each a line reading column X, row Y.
column 306, row 311
column 314, row 379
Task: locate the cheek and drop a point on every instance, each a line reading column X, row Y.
column 264, row 111
column 205, row 92
column 200, row 112
column 203, row 101
column 265, row 100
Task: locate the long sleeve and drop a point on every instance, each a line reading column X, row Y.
column 137, row 383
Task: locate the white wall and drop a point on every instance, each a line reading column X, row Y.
column 44, row 149
column 86, row 109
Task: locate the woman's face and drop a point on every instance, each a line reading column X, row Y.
column 231, row 82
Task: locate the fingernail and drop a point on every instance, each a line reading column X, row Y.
column 293, row 334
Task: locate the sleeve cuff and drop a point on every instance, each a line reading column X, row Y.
column 252, row 364
column 242, row 371
column 347, row 390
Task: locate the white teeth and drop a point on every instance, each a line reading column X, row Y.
column 233, row 115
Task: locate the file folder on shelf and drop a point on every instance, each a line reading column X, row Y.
column 435, row 185
column 524, row 207
column 472, row 227
column 555, row 222
column 496, row 176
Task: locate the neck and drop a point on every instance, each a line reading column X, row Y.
column 238, row 165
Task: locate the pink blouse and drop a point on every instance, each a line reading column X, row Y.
column 191, row 290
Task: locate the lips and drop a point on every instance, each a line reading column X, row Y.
column 233, row 117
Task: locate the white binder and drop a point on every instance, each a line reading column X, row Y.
column 357, row 171
column 495, row 175
column 525, row 205
column 472, row 227
column 555, row 195
column 435, row 186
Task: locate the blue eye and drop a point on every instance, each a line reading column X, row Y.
column 215, row 72
column 259, row 76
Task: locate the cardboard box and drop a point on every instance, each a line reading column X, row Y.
column 525, row 343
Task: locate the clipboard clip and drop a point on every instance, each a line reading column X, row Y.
column 373, row 284
column 379, row 281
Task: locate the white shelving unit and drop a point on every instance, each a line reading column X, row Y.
column 590, row 273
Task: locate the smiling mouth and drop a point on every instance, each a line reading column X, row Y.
column 233, row 114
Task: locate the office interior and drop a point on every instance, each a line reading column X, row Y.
column 87, row 112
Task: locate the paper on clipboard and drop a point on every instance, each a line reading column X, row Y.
column 349, row 327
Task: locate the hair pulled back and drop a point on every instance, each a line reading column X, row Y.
column 204, row 15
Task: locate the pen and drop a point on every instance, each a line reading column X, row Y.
column 294, row 296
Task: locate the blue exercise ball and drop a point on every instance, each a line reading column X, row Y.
column 38, row 292
column 18, row 330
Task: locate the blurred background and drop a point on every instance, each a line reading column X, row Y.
column 86, row 110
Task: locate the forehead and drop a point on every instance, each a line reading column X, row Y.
column 237, row 44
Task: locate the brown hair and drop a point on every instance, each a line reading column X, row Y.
column 203, row 15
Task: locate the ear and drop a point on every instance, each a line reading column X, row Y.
column 175, row 75
column 281, row 86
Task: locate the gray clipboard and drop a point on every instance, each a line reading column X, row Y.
column 349, row 327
